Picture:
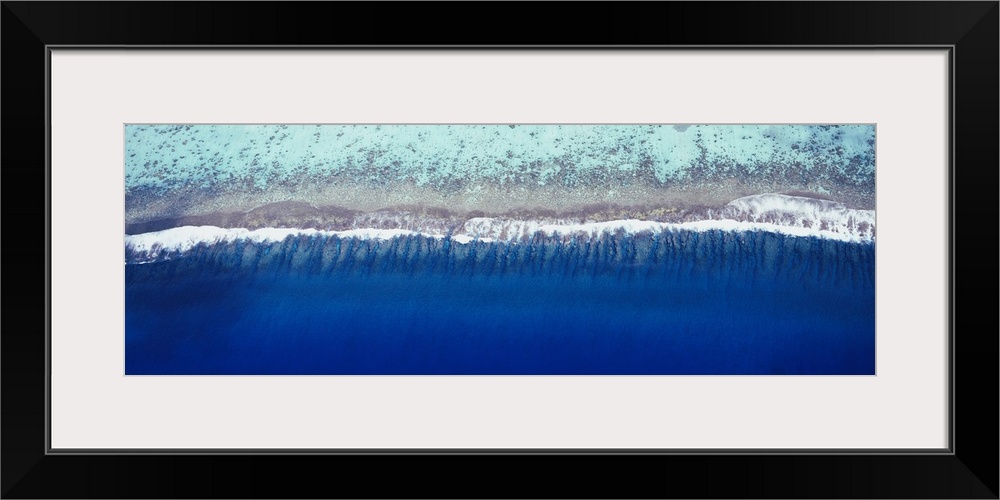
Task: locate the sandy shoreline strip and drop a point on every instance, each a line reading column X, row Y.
column 335, row 205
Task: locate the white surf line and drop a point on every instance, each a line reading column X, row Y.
column 181, row 239
column 790, row 215
column 491, row 229
column 187, row 237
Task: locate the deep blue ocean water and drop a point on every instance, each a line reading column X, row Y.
column 671, row 303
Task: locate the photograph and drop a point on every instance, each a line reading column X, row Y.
column 626, row 253
column 500, row 249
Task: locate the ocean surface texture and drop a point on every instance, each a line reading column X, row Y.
column 500, row 249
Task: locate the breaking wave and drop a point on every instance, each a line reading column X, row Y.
column 781, row 214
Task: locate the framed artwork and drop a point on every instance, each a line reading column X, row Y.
column 701, row 254
column 511, row 249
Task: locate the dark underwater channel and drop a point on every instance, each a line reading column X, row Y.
column 670, row 303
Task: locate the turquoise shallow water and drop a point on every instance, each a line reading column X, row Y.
column 165, row 157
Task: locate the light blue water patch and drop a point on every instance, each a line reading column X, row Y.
column 163, row 157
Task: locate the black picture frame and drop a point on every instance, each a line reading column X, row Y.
column 970, row 29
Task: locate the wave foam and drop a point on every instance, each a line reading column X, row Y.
column 791, row 215
column 804, row 212
column 156, row 245
column 788, row 215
